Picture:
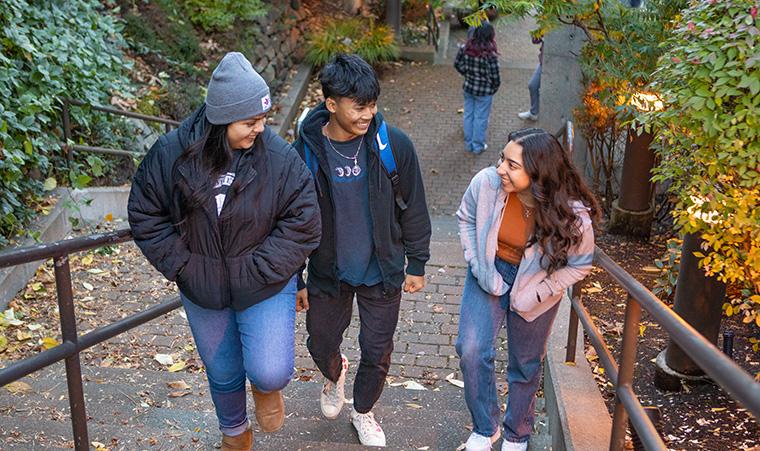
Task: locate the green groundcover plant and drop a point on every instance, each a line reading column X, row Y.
column 49, row 50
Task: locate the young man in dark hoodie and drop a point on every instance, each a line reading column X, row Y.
column 369, row 230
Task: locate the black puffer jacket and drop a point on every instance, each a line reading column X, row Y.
column 269, row 225
column 398, row 235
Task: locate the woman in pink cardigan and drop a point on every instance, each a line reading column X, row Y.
column 526, row 227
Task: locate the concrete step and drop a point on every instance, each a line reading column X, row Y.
column 134, row 409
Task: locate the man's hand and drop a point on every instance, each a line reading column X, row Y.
column 413, row 284
column 302, row 300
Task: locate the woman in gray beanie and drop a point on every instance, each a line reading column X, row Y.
column 228, row 210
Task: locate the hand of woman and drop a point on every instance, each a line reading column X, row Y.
column 302, row 300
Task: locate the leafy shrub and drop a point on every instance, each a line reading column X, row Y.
column 220, row 15
column 709, row 80
column 159, row 28
column 375, row 43
column 48, row 50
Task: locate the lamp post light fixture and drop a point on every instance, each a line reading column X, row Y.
column 633, row 211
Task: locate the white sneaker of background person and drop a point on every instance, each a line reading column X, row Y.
column 506, row 445
column 477, row 442
column 333, row 393
column 527, row 116
column 369, row 430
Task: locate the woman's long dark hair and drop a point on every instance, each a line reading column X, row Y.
column 210, row 154
column 554, row 183
column 482, row 43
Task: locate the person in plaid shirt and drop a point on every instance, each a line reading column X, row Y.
column 477, row 60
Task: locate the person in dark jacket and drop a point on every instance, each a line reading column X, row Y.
column 227, row 209
column 366, row 237
column 478, row 61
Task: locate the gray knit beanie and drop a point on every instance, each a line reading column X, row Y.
column 236, row 91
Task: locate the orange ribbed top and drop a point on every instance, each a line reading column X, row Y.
column 516, row 228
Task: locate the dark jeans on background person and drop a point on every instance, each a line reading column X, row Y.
column 328, row 318
column 534, row 86
column 482, row 316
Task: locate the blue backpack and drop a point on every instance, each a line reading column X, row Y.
column 386, row 158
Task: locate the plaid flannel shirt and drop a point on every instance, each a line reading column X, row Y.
column 481, row 74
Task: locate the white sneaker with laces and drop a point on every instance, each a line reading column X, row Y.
column 513, row 446
column 332, row 397
column 478, row 442
column 527, row 116
column 370, row 432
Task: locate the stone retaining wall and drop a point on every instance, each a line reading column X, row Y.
column 279, row 42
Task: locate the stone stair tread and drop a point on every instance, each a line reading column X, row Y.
column 412, row 419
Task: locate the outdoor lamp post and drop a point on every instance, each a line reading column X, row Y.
column 699, row 301
column 633, row 211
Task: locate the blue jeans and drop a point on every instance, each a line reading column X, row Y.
column 534, row 87
column 257, row 343
column 476, row 112
column 481, row 318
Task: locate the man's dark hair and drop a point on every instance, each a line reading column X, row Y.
column 350, row 76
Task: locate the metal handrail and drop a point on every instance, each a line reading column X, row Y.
column 70, row 148
column 72, row 343
column 567, row 134
column 433, row 29
column 739, row 384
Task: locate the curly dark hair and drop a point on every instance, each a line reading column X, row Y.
column 554, row 183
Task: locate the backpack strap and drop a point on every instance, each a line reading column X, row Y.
column 389, row 163
column 311, row 159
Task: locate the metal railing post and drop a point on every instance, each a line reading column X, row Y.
column 625, row 374
column 572, row 328
column 73, row 367
column 67, row 132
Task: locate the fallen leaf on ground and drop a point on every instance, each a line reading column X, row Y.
column 88, row 286
column 18, row 387
column 164, row 359
column 456, row 382
column 49, row 342
column 179, row 366
column 178, row 394
column 178, row 385
column 413, row 405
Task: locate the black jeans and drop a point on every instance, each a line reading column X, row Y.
column 328, row 318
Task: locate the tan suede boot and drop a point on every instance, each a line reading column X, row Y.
column 242, row 442
column 270, row 409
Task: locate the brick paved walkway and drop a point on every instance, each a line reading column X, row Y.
column 424, row 101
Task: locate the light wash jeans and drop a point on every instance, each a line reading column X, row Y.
column 257, row 343
column 477, row 109
column 534, row 86
column 481, row 318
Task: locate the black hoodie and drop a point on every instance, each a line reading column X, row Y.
column 269, row 225
column 396, row 233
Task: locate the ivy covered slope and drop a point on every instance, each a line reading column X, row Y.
column 49, row 50
column 709, row 79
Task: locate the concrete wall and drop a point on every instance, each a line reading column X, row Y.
column 561, row 85
column 56, row 226
column 578, row 417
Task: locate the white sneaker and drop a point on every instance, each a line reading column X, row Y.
column 478, row 442
column 332, row 397
column 513, row 446
column 370, row 432
column 527, row 116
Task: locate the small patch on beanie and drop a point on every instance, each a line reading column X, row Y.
column 266, row 102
